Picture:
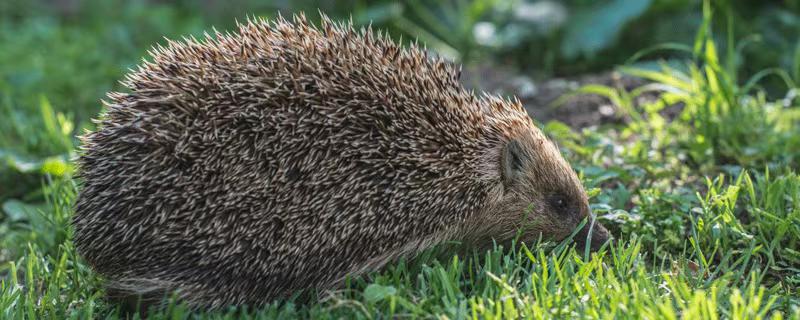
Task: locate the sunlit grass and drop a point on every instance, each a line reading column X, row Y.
column 729, row 268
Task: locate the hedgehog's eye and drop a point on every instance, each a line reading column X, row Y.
column 511, row 162
column 559, row 203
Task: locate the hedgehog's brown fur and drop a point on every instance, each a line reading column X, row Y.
column 245, row 167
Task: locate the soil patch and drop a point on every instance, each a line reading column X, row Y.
column 538, row 98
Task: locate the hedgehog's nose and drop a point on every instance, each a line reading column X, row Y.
column 598, row 237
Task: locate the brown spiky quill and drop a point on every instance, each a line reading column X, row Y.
column 244, row 167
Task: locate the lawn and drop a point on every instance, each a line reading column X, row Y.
column 698, row 181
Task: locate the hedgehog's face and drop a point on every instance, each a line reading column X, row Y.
column 541, row 195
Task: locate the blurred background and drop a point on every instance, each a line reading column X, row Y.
column 58, row 58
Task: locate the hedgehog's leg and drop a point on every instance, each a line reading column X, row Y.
column 138, row 294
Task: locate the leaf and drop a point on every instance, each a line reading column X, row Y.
column 55, row 165
column 57, row 126
column 379, row 13
column 16, row 210
column 375, row 292
column 595, row 28
column 19, row 163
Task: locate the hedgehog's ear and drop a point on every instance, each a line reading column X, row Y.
column 511, row 161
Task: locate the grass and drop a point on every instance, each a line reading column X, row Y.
column 705, row 205
column 725, row 268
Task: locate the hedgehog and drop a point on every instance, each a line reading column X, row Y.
column 284, row 157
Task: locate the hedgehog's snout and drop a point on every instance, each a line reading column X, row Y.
column 593, row 234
